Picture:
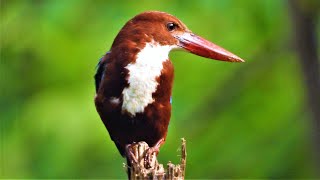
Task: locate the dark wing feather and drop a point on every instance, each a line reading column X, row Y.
column 101, row 66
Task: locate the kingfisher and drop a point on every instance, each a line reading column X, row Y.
column 134, row 79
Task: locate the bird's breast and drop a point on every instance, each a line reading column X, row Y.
column 145, row 75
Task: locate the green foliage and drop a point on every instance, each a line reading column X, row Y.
column 240, row 120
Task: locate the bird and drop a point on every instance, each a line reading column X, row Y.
column 134, row 79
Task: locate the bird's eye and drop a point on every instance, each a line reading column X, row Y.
column 171, row 26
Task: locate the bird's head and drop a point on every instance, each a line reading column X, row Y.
column 167, row 30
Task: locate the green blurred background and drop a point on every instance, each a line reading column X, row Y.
column 247, row 120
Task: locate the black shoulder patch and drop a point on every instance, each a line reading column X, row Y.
column 101, row 66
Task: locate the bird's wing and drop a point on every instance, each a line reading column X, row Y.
column 101, row 66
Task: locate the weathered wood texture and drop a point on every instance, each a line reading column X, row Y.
column 152, row 169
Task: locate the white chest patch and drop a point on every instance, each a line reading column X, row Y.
column 142, row 77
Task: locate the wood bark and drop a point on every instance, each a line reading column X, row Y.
column 152, row 169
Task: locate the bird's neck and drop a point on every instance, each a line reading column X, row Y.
column 143, row 77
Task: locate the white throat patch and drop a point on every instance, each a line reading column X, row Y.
column 142, row 77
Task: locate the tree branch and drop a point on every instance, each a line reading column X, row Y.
column 141, row 169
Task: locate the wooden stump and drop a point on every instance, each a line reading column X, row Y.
column 152, row 169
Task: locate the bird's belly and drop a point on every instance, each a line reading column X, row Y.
column 150, row 126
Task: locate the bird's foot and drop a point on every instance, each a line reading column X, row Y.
column 149, row 153
column 129, row 154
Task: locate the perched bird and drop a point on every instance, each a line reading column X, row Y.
column 134, row 79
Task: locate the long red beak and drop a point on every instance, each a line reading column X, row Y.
column 202, row 47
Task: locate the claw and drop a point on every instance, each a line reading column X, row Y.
column 149, row 154
column 151, row 151
column 130, row 156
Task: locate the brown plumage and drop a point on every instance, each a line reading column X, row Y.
column 161, row 30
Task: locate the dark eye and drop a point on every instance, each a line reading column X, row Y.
column 171, row 26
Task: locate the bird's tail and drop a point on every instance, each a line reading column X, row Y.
column 129, row 165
